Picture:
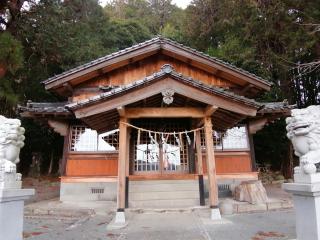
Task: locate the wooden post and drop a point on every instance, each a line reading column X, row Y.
column 252, row 153
column 122, row 160
column 199, row 152
column 65, row 154
column 127, row 168
column 211, row 168
column 128, row 151
column 200, row 168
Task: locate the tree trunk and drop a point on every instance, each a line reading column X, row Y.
column 287, row 164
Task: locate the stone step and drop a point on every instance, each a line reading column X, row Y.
column 161, row 187
column 163, row 195
column 165, row 203
column 151, row 182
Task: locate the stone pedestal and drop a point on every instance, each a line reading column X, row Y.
column 11, row 212
column 306, row 198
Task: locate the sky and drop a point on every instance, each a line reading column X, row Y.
column 180, row 3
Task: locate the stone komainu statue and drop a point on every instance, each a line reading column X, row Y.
column 303, row 129
column 11, row 141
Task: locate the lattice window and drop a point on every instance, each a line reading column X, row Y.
column 233, row 139
column 84, row 139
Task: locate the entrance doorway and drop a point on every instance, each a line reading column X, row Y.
column 161, row 153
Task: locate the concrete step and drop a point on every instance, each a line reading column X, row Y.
column 151, row 182
column 161, row 187
column 164, row 203
column 163, row 193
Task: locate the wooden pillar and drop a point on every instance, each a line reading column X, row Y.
column 200, row 169
column 199, row 153
column 122, row 161
column 128, row 151
column 211, row 165
column 252, row 153
column 66, row 146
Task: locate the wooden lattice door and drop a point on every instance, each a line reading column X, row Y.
column 165, row 157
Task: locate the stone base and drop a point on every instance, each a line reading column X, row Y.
column 306, row 178
column 120, row 217
column 11, row 212
column 215, row 214
column 306, row 198
column 10, row 185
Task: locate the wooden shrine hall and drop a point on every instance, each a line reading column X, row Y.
column 158, row 124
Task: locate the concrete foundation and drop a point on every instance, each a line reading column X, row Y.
column 11, row 212
column 215, row 214
column 107, row 191
column 120, row 217
column 88, row 191
column 306, row 198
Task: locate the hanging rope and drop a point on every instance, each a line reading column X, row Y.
column 162, row 133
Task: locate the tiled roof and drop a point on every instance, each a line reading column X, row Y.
column 156, row 40
column 166, row 70
column 276, row 107
column 45, row 108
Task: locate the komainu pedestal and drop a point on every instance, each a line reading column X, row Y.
column 304, row 132
column 11, row 195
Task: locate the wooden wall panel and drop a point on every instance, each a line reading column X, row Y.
column 146, row 67
column 92, row 165
column 231, row 162
column 107, row 164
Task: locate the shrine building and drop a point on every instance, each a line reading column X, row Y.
column 155, row 125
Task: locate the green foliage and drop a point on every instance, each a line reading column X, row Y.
column 266, row 35
column 157, row 16
column 126, row 33
column 11, row 60
column 271, row 144
column 11, row 54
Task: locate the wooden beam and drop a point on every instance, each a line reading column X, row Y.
column 159, row 86
column 123, row 134
column 257, row 124
column 246, row 88
column 121, row 111
column 60, row 127
column 211, row 166
column 169, row 112
column 210, row 110
column 68, row 87
column 199, row 153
